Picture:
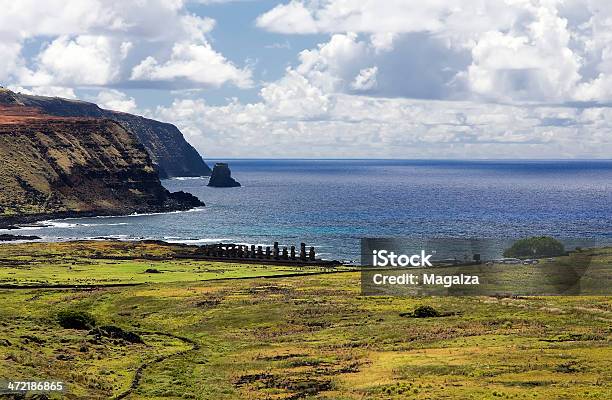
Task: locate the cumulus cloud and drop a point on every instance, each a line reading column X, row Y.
column 295, row 97
column 116, row 100
column 49, row 91
column 197, row 63
column 84, row 60
column 359, row 126
column 10, row 54
column 510, row 51
column 100, row 43
column 399, row 16
column 414, row 80
column 365, row 80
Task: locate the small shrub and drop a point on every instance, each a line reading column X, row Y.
column 425, row 312
column 114, row 332
column 75, row 319
column 535, row 247
column 152, row 271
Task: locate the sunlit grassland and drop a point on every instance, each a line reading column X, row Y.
column 308, row 337
column 109, row 262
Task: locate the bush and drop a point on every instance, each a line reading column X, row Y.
column 425, row 312
column 535, row 247
column 114, row 332
column 76, row 319
column 152, row 271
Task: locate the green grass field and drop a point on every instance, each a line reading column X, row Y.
column 119, row 263
column 287, row 337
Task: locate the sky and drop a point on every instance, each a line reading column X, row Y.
column 454, row 79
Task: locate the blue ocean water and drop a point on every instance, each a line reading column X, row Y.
column 333, row 203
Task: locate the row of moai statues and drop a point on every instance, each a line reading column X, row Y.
column 275, row 253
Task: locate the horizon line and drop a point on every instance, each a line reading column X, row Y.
column 400, row 159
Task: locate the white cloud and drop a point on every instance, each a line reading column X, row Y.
column 99, row 42
column 545, row 51
column 536, row 65
column 197, row 63
column 288, row 18
column 49, row 91
column 116, row 100
column 359, row 126
column 84, row 60
column 294, row 97
column 10, row 54
column 365, row 80
column 208, row 2
column 399, row 16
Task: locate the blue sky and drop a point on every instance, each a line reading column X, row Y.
column 332, row 78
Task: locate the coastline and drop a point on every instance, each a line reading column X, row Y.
column 18, row 222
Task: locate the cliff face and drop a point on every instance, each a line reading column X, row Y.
column 55, row 166
column 166, row 146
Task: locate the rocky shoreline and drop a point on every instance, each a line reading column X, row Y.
column 177, row 201
column 11, row 238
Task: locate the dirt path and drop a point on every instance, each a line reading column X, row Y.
column 140, row 370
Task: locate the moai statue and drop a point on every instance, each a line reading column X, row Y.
column 285, row 254
column 276, row 250
column 303, row 251
column 268, row 252
column 259, row 252
column 293, row 252
column 253, row 251
column 311, row 254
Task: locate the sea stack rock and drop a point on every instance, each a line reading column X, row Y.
column 222, row 177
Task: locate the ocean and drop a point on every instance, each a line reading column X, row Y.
column 331, row 204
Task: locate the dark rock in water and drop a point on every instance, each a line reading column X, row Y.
column 182, row 201
column 7, row 238
column 222, row 177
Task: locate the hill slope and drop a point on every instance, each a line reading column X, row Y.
column 165, row 144
column 57, row 166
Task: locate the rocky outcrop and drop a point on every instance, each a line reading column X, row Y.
column 7, row 238
column 222, row 177
column 63, row 167
column 166, row 146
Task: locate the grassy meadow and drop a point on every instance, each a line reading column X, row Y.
column 209, row 336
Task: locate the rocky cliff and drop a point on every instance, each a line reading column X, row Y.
column 165, row 144
column 67, row 166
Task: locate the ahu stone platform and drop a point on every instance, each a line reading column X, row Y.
column 258, row 254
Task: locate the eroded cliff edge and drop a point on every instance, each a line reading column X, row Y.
column 55, row 167
column 166, row 146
